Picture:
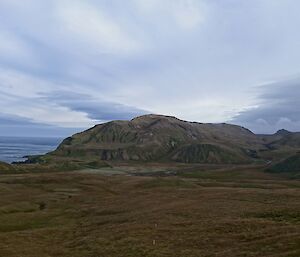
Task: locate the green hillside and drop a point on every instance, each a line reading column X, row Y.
column 4, row 167
column 291, row 164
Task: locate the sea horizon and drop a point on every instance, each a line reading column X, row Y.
column 15, row 148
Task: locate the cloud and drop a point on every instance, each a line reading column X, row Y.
column 278, row 108
column 10, row 46
column 19, row 95
column 186, row 14
column 54, row 104
column 96, row 109
column 197, row 59
column 190, row 13
column 11, row 125
column 90, row 25
column 15, row 51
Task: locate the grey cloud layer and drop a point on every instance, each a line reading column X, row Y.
column 17, row 126
column 96, row 109
column 279, row 108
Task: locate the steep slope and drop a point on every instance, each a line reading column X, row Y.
column 207, row 153
column 4, row 167
column 291, row 164
column 163, row 138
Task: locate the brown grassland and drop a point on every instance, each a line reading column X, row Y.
column 153, row 210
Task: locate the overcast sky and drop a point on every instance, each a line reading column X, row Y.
column 66, row 65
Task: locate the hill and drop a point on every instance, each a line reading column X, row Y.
column 165, row 138
column 4, row 167
column 282, row 138
column 291, row 164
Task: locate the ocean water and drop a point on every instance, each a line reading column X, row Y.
column 13, row 149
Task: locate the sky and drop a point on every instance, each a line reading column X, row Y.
column 66, row 65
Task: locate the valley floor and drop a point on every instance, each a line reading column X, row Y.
column 153, row 211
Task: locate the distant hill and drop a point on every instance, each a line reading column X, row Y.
column 165, row 138
column 283, row 138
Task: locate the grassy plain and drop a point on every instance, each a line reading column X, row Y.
column 154, row 210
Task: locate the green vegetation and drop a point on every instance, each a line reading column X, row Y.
column 206, row 153
column 4, row 167
column 50, row 162
column 291, row 164
column 155, row 186
column 150, row 210
column 163, row 139
column 281, row 216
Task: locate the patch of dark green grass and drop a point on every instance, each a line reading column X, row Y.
column 110, row 212
column 213, row 175
column 285, row 216
column 17, row 223
column 167, row 182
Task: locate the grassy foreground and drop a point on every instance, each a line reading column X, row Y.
column 150, row 211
